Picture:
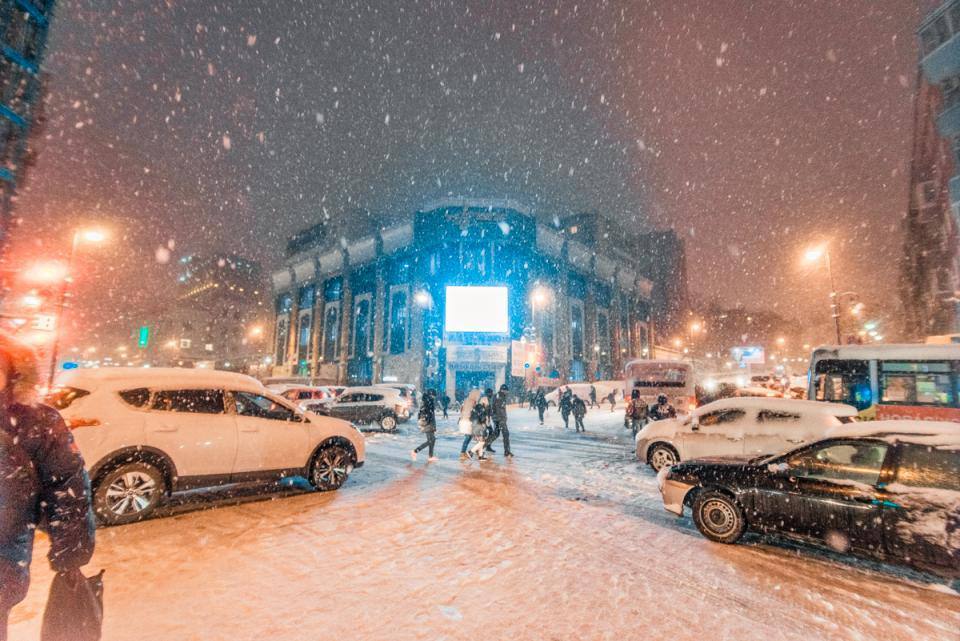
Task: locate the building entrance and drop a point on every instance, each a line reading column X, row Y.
column 479, row 379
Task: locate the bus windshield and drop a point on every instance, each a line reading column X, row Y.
column 843, row 381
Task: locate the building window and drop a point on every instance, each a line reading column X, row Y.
column 576, row 329
column 304, row 334
column 283, row 329
column 398, row 321
column 331, row 331
column 333, row 290
column 603, row 334
column 361, row 326
column 306, row 297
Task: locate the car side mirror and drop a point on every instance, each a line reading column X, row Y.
column 694, row 425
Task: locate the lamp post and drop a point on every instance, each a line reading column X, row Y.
column 92, row 236
column 813, row 255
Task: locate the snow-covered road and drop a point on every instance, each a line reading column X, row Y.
column 567, row 541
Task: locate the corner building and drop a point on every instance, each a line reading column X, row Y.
column 462, row 294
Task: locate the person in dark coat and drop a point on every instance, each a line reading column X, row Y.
column 43, row 482
column 541, row 402
column 499, row 414
column 565, row 406
column 593, row 397
column 612, row 399
column 445, row 404
column 635, row 416
column 427, row 420
column 663, row 409
column 579, row 409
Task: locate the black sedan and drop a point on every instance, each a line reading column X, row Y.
column 886, row 494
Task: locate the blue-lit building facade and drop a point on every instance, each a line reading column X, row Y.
column 24, row 25
column 372, row 307
column 930, row 282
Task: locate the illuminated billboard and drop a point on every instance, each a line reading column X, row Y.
column 477, row 309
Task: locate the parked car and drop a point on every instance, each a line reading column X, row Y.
column 303, row 395
column 383, row 406
column 889, row 489
column 148, row 432
column 407, row 391
column 744, row 427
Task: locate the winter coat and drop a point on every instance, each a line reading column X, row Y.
column 500, row 408
column 579, row 407
column 566, row 403
column 540, row 401
column 42, row 483
column 637, row 409
column 465, row 424
column 427, row 418
column 659, row 412
column 479, row 416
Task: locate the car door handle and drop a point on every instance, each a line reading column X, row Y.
column 250, row 429
column 167, row 428
column 734, row 438
column 796, row 440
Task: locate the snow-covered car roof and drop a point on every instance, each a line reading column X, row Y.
column 371, row 389
column 158, row 377
column 895, row 351
column 778, row 405
column 934, row 433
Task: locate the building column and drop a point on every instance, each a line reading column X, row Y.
column 346, row 322
column 291, row 366
column 379, row 328
column 616, row 356
column 592, row 356
column 316, row 330
column 563, row 354
column 417, row 329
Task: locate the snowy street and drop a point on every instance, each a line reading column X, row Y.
column 567, row 541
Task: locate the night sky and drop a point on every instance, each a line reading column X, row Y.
column 752, row 128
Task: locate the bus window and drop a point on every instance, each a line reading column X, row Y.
column 916, row 383
column 841, row 381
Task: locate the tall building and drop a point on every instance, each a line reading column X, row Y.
column 219, row 317
column 930, row 270
column 461, row 294
column 23, row 36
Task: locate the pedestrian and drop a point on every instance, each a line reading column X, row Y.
column 42, row 482
column 489, row 430
column 499, row 413
column 579, row 409
column 541, row 402
column 663, row 409
column 445, row 404
column 464, row 425
column 612, row 399
column 427, row 420
column 635, row 416
column 593, row 397
column 565, row 405
column 480, row 421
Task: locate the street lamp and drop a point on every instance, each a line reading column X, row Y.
column 91, row 236
column 813, row 255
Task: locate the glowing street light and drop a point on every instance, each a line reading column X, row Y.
column 813, row 255
column 31, row 300
column 422, row 298
column 256, row 332
column 91, row 236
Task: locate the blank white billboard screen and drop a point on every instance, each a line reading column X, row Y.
column 477, row 309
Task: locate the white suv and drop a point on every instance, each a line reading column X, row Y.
column 147, row 432
column 738, row 427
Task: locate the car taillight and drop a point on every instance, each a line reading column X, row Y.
column 74, row 423
column 692, row 403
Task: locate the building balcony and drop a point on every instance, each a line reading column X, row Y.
column 943, row 62
column 948, row 122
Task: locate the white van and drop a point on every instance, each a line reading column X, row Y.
column 655, row 377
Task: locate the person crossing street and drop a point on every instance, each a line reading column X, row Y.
column 427, row 420
column 499, row 414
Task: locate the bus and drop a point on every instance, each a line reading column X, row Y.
column 910, row 381
column 655, row 377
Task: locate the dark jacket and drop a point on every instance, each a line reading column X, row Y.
column 565, row 404
column 540, row 400
column 500, row 408
column 42, row 483
column 660, row 412
column 427, row 416
column 579, row 407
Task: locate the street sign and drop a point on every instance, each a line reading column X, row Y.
column 143, row 337
column 748, row 355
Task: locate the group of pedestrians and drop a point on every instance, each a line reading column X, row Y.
column 638, row 413
column 483, row 419
column 569, row 404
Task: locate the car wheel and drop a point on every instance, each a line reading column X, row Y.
column 718, row 517
column 662, row 455
column 330, row 468
column 388, row 422
column 128, row 493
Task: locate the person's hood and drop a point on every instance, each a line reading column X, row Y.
column 23, row 388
